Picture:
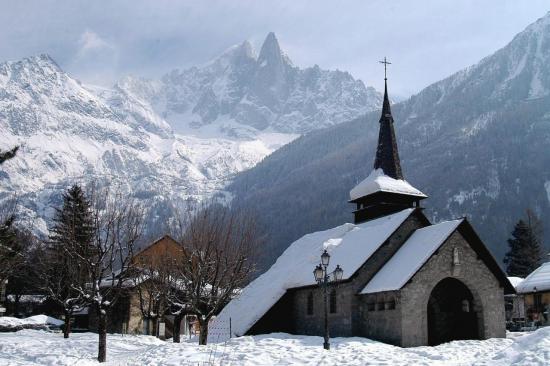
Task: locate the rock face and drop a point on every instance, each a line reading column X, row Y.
column 162, row 141
column 261, row 92
column 477, row 143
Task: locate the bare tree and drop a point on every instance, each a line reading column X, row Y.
column 217, row 259
column 117, row 226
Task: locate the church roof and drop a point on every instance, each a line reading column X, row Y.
column 387, row 156
column 349, row 246
column 377, row 181
column 539, row 279
column 410, row 257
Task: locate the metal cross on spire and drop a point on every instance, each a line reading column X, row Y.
column 386, row 63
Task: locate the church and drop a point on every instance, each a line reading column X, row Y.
column 406, row 281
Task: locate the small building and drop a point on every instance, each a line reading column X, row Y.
column 406, row 281
column 535, row 291
column 126, row 316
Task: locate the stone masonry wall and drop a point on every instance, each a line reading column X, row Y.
column 349, row 319
column 485, row 288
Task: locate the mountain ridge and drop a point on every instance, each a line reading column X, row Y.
column 476, row 142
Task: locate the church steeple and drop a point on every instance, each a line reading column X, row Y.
column 384, row 191
column 387, row 156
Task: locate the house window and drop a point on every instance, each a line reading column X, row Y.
column 390, row 305
column 310, row 303
column 332, row 301
column 380, row 306
column 371, row 306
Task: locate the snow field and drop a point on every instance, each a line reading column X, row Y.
column 32, row 347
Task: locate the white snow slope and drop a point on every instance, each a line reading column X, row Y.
column 349, row 246
column 29, row 347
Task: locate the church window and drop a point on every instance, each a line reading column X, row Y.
column 332, row 302
column 310, row 303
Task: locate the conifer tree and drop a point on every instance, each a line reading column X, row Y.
column 10, row 250
column 70, row 241
column 526, row 250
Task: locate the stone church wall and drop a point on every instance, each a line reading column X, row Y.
column 339, row 322
column 380, row 316
column 349, row 320
column 487, row 293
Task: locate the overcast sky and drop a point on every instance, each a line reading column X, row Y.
column 427, row 40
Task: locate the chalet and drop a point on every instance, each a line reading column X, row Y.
column 406, row 281
column 127, row 316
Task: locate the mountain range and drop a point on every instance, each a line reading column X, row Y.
column 163, row 141
column 477, row 142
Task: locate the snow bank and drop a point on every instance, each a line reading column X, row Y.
column 377, row 181
column 539, row 279
column 410, row 257
column 31, row 347
column 349, row 246
column 36, row 320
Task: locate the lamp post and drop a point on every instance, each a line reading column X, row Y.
column 323, row 279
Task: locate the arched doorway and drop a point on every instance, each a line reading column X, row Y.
column 451, row 313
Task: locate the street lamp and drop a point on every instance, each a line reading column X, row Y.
column 323, row 278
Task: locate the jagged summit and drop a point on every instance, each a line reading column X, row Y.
column 259, row 93
column 270, row 50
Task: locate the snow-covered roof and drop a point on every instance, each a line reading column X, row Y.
column 410, row 257
column 539, row 278
column 349, row 246
column 377, row 181
column 515, row 281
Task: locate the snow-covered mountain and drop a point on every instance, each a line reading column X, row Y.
column 162, row 141
column 257, row 92
column 477, row 143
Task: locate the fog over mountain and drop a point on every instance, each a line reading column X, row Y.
column 477, row 143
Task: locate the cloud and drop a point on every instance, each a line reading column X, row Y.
column 91, row 41
column 96, row 60
column 101, row 41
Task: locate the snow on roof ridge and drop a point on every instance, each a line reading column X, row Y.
column 349, row 246
column 378, row 181
column 412, row 255
column 539, row 278
column 515, row 281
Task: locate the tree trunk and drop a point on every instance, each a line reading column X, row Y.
column 67, row 325
column 177, row 328
column 102, row 331
column 203, row 335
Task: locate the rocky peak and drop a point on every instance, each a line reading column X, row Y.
column 270, row 53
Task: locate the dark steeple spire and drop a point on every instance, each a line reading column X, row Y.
column 387, row 156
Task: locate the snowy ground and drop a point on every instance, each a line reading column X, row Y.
column 32, row 347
